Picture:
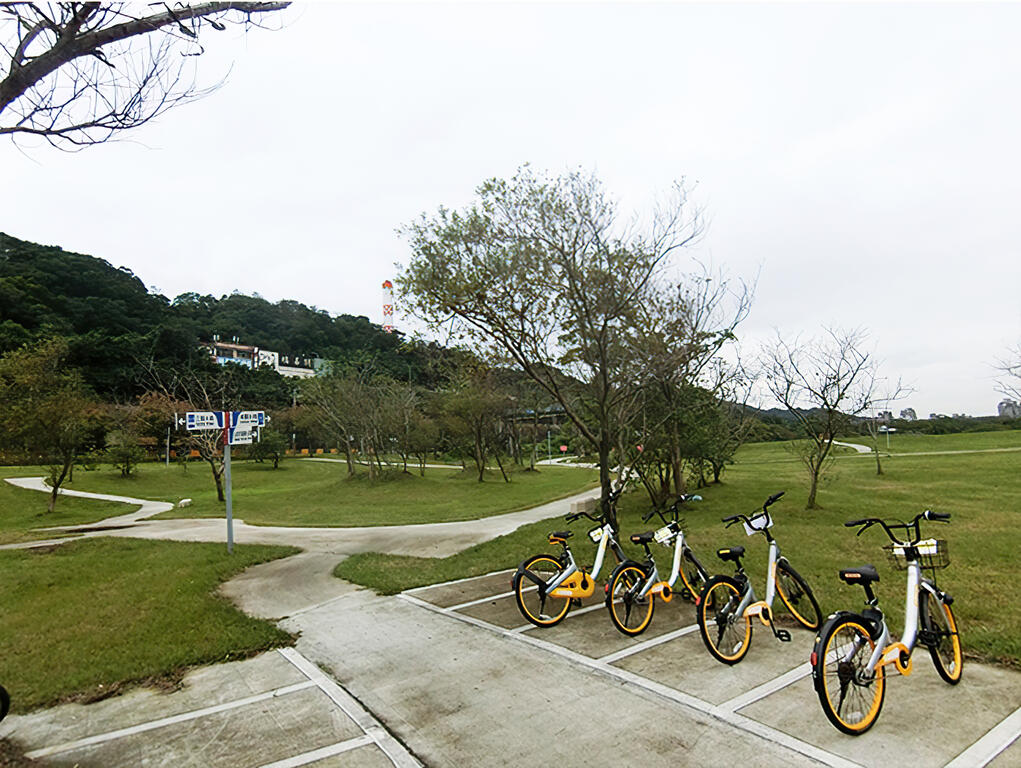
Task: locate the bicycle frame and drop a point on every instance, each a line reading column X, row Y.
column 576, row 589
column 663, row 589
column 748, row 606
column 899, row 653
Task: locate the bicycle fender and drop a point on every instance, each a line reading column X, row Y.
column 527, row 574
column 817, row 649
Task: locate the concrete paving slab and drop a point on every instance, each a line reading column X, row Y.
column 1009, row 758
column 594, row 635
column 461, row 695
column 202, row 687
column 369, row 756
column 446, row 595
column 685, row 664
column 248, row 736
column 924, row 721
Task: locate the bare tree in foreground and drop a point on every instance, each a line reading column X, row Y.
column 823, row 383
column 77, row 73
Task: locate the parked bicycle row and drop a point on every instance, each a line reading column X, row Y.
column 853, row 650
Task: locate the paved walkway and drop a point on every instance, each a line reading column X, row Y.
column 425, row 540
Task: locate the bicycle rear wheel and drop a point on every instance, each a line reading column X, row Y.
column 797, row 596
column 850, row 696
column 630, row 611
column 541, row 610
column 726, row 633
column 5, row 702
column 943, row 638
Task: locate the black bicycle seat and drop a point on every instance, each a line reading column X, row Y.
column 730, row 553
column 865, row 574
column 643, row 538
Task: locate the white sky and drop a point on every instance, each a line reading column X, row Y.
column 862, row 158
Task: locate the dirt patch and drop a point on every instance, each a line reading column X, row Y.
column 11, row 755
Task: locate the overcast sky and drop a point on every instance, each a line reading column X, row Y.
column 861, row 159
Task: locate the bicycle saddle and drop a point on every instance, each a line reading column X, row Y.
column 866, row 574
column 558, row 536
column 643, row 538
column 730, row 553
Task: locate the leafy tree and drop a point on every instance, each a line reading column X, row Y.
column 543, row 272
column 123, row 451
column 49, row 413
column 78, row 73
column 271, row 446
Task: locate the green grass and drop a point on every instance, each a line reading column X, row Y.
column 311, row 493
column 22, row 510
column 981, row 490
column 82, row 619
column 905, row 442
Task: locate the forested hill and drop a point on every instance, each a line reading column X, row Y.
column 112, row 321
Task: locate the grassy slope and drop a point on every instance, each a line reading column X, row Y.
column 310, row 493
column 85, row 617
column 22, row 510
column 982, row 491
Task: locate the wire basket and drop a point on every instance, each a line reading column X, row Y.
column 930, row 553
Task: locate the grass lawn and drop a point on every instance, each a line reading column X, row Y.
column 982, row 491
column 82, row 619
column 905, row 442
column 313, row 493
column 21, row 510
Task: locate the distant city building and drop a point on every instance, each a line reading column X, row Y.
column 938, row 416
column 1008, row 409
column 908, row 414
column 294, row 366
column 885, row 416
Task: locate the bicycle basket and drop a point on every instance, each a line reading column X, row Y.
column 931, row 553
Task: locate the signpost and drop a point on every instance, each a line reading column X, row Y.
column 238, row 427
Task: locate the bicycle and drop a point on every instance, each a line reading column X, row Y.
column 545, row 586
column 5, row 702
column 633, row 586
column 852, row 651
column 727, row 603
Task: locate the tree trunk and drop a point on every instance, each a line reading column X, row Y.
column 499, row 463
column 218, row 479
column 348, row 456
column 604, row 480
column 58, row 479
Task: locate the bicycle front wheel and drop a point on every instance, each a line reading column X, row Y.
column 5, row 702
column 541, row 610
column 797, row 596
column 942, row 638
column 850, row 696
column 630, row 611
column 726, row 632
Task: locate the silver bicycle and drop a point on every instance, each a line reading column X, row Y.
column 853, row 650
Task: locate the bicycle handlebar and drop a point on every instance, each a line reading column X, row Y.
column 682, row 499
column 888, row 527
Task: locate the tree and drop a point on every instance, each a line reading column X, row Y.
column 476, row 406
column 271, row 445
column 1010, row 370
column 545, row 273
column 48, row 413
column 122, row 439
column 77, row 73
column 823, row 383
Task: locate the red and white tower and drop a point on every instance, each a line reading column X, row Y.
column 388, row 306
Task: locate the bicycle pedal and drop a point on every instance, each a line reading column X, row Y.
column 783, row 635
column 576, row 602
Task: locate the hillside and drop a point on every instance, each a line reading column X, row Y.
column 114, row 323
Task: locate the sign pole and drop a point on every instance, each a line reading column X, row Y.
column 226, row 472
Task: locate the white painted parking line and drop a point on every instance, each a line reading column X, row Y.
column 393, row 749
column 165, row 721
column 482, row 600
column 986, row 749
column 646, row 644
column 692, row 702
column 575, row 612
column 322, row 753
column 770, row 686
column 459, row 581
